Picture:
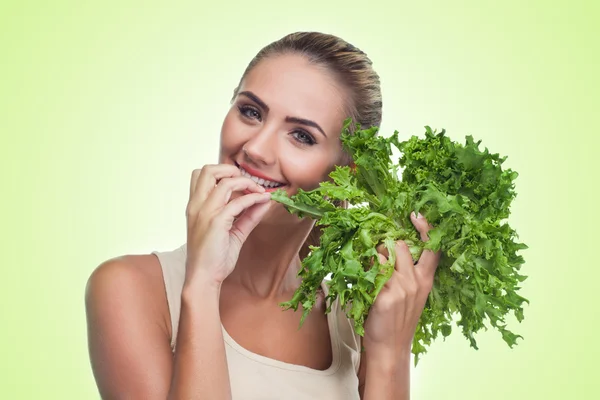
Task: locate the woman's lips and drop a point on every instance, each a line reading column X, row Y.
column 257, row 174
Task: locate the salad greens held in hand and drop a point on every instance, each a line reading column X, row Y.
column 462, row 192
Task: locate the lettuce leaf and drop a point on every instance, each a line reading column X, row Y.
column 461, row 190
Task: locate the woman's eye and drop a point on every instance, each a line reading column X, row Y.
column 250, row 112
column 304, row 137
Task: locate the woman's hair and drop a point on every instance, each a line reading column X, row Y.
column 351, row 68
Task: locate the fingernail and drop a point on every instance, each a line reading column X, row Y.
column 420, row 215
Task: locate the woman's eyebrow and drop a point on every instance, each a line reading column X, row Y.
column 306, row 122
column 293, row 120
column 255, row 99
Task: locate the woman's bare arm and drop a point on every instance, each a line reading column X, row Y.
column 385, row 377
column 200, row 368
column 129, row 338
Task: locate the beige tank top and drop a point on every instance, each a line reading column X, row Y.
column 255, row 377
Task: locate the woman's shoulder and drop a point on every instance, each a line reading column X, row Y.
column 138, row 270
column 128, row 282
column 141, row 272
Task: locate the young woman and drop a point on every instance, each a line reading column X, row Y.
column 203, row 321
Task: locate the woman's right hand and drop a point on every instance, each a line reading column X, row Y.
column 218, row 226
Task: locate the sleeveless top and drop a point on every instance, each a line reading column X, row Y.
column 255, row 377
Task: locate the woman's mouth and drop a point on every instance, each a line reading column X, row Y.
column 268, row 184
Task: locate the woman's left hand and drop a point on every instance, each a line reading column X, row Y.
column 393, row 318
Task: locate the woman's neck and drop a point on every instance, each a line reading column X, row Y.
column 268, row 264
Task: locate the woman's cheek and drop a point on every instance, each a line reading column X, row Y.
column 307, row 173
column 233, row 137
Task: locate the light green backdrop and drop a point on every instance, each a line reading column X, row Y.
column 105, row 110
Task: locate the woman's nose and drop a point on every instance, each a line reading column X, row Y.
column 261, row 149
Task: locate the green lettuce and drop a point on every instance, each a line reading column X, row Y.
column 461, row 190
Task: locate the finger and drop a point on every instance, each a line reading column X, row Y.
column 428, row 263
column 249, row 219
column 421, row 225
column 237, row 206
column 209, row 176
column 382, row 250
column 404, row 261
column 194, row 181
column 221, row 194
column 382, row 259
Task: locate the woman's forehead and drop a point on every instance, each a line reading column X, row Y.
column 290, row 86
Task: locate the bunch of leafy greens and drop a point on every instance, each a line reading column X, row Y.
column 462, row 191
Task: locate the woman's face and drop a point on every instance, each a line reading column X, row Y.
column 284, row 125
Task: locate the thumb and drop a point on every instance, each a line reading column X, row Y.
column 246, row 222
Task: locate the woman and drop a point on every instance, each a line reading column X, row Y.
column 203, row 321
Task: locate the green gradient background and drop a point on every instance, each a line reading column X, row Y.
column 105, row 110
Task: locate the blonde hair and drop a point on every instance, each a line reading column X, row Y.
column 351, row 68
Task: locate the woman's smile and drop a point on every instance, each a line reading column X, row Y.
column 269, row 183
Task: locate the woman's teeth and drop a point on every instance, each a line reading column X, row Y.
column 260, row 181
